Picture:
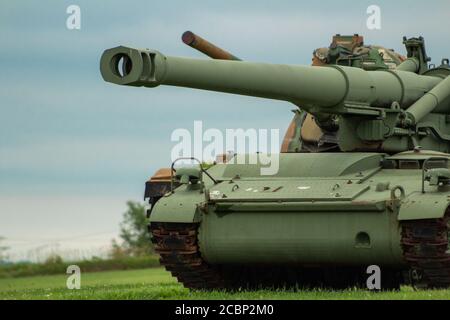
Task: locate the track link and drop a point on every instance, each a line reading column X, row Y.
column 177, row 245
column 425, row 246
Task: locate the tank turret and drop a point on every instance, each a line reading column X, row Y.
column 303, row 133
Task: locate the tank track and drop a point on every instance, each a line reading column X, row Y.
column 425, row 246
column 177, row 245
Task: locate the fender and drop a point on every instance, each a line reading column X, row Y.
column 182, row 206
column 429, row 205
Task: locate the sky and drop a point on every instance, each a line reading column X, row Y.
column 74, row 149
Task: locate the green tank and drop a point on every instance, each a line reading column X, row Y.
column 379, row 197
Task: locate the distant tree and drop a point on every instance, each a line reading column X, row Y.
column 3, row 249
column 118, row 251
column 134, row 234
column 54, row 259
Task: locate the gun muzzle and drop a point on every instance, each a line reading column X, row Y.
column 133, row 67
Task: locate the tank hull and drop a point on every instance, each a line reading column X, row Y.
column 322, row 217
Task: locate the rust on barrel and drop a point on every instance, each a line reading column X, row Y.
column 206, row 47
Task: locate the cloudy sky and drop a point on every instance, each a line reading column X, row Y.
column 74, row 149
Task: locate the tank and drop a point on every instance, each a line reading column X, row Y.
column 379, row 197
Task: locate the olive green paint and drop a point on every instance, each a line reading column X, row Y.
column 342, row 208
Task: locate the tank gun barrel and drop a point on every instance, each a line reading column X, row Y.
column 429, row 102
column 326, row 88
column 206, row 47
column 411, row 64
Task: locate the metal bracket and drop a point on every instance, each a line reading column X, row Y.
column 188, row 158
column 424, row 169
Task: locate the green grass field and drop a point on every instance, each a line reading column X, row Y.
column 156, row 283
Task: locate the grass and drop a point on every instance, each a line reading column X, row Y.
column 156, row 283
column 58, row 266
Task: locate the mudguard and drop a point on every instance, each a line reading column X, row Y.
column 429, row 205
column 179, row 207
